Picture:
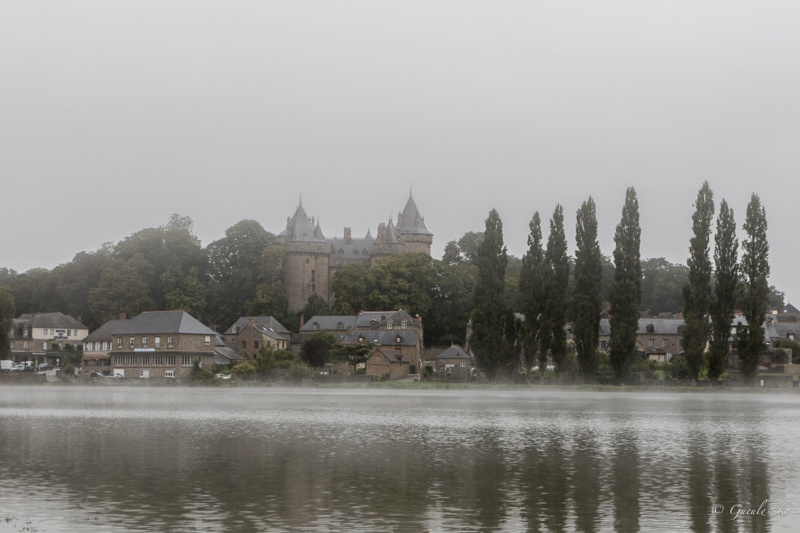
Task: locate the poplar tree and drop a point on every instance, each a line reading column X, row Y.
column 625, row 292
column 754, row 302
column 587, row 303
column 726, row 250
column 697, row 290
column 6, row 321
column 531, row 287
column 554, row 314
column 489, row 309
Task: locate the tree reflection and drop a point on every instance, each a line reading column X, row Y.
column 625, row 480
column 699, row 498
column 586, row 475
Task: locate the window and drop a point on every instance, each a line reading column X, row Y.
column 158, row 360
column 145, row 360
column 170, row 360
column 144, row 342
column 244, row 345
column 680, row 342
column 603, row 345
column 169, row 373
column 663, row 343
column 25, row 345
column 157, row 342
column 463, row 363
column 651, row 342
column 398, row 339
column 44, row 346
column 208, row 340
column 120, row 360
column 315, row 326
column 340, row 326
column 46, row 331
column 75, row 333
column 131, row 360
column 403, row 324
column 255, row 345
column 119, row 343
column 186, row 360
column 132, row 342
column 389, row 324
column 169, row 342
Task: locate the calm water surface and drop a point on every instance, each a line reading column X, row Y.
column 128, row 459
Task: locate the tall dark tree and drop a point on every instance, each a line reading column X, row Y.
column 587, row 302
column 697, row 291
column 726, row 250
column 554, row 313
column 755, row 289
column 625, row 292
column 531, row 288
column 6, row 320
column 489, row 310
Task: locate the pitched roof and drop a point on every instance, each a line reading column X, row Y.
column 153, row 322
column 329, row 323
column 51, row 320
column 410, row 220
column 302, row 228
column 394, row 356
column 365, row 318
column 242, row 322
column 381, row 337
column 104, row 332
column 453, row 352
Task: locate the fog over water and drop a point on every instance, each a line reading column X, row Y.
column 173, row 459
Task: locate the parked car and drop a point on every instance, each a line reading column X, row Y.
column 222, row 376
column 45, row 366
column 97, row 375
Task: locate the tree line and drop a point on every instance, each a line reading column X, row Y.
column 710, row 291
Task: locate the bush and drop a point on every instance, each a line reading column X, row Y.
column 200, row 374
column 69, row 369
column 428, row 372
column 244, row 368
column 779, row 356
column 300, row 371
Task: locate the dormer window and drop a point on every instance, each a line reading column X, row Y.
column 373, row 324
column 339, row 326
column 403, row 324
column 315, row 326
column 651, row 328
column 791, row 335
column 389, row 324
column 361, row 338
column 398, row 339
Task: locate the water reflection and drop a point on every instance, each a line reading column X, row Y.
column 389, row 460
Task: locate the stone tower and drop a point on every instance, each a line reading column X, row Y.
column 306, row 267
column 412, row 230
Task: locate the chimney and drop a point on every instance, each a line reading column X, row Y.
column 250, row 322
column 123, row 316
column 348, row 236
column 383, row 317
column 302, row 320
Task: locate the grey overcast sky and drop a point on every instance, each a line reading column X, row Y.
column 113, row 115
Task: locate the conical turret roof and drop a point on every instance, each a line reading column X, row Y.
column 301, row 228
column 410, row 220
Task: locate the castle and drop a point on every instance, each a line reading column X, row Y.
column 312, row 259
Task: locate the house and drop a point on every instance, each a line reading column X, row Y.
column 384, row 329
column 658, row 339
column 37, row 337
column 388, row 362
column 97, row 347
column 249, row 334
column 455, row 358
column 161, row 344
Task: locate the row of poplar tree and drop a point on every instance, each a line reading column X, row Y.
column 503, row 342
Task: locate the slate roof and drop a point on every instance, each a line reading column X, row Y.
column 302, row 229
column 153, row 322
column 394, row 356
column 357, row 249
column 329, row 323
column 264, row 320
column 789, row 309
column 271, row 332
column 381, row 337
column 410, row 220
column 365, row 318
column 454, row 352
column 783, row 329
column 56, row 320
column 673, row 326
column 104, row 332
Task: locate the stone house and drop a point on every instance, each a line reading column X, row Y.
column 388, row 362
column 249, row 334
column 36, row 337
column 161, row 344
column 658, row 339
column 455, row 358
column 396, row 330
column 97, row 347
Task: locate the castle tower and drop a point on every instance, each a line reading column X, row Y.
column 306, row 267
column 387, row 243
column 412, row 230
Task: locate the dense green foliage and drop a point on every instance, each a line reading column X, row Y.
column 587, row 301
column 625, row 292
column 697, row 291
column 489, row 310
column 531, row 287
column 7, row 315
column 726, row 247
column 755, row 289
column 554, row 310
